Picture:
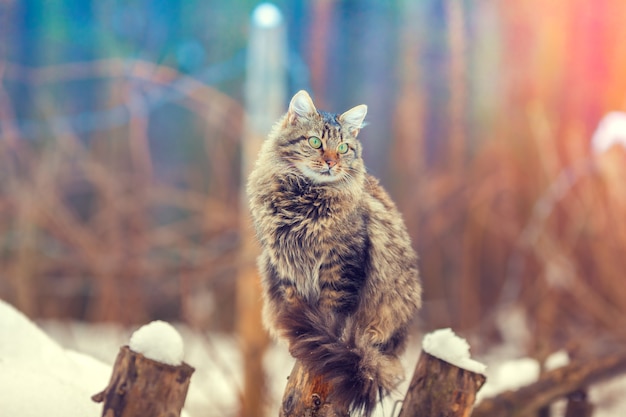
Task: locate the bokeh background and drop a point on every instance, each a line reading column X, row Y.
column 123, row 123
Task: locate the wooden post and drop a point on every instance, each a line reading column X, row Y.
column 266, row 101
column 440, row 389
column 306, row 395
column 578, row 405
column 141, row 387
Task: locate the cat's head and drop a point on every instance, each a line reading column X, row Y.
column 321, row 145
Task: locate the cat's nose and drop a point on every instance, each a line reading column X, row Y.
column 331, row 162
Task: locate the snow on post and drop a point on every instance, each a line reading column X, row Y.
column 449, row 347
column 446, row 378
column 149, row 378
column 158, row 341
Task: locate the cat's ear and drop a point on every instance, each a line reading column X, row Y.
column 301, row 106
column 353, row 119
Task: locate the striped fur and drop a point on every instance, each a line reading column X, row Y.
column 339, row 275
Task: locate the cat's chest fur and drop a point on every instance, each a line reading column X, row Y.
column 311, row 228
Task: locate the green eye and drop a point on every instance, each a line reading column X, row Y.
column 342, row 148
column 315, row 142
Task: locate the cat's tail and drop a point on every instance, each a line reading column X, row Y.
column 359, row 373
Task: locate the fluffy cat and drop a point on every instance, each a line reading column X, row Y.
column 339, row 274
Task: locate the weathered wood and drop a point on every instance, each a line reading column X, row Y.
column 440, row 389
column 142, row 387
column 308, row 395
column 578, row 405
column 551, row 386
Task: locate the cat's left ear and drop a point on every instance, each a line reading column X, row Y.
column 353, row 119
column 301, row 106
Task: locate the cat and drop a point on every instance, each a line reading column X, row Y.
column 339, row 275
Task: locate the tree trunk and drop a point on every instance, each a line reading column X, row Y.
column 142, row 387
column 266, row 95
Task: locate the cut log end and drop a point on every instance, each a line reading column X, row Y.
column 308, row 395
column 140, row 386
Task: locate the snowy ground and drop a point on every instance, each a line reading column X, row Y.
column 54, row 368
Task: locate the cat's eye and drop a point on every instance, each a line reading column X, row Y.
column 315, row 142
column 342, row 148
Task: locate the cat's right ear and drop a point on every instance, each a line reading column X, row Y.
column 301, row 106
column 353, row 119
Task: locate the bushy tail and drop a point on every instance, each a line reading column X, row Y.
column 359, row 373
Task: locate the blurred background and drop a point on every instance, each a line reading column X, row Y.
column 125, row 125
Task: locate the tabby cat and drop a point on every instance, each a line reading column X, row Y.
column 339, row 275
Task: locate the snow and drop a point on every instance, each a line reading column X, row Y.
column 216, row 383
column 449, row 347
column 608, row 397
column 509, row 375
column 556, row 360
column 158, row 341
column 611, row 131
column 39, row 378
